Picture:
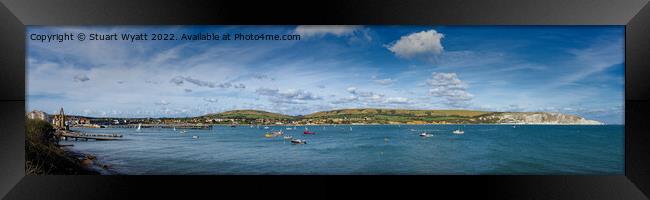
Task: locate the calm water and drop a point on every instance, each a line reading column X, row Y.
column 380, row 149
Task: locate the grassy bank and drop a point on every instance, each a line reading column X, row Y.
column 44, row 156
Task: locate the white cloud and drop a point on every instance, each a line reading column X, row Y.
column 180, row 80
column 80, row 78
column 211, row 100
column 289, row 96
column 346, row 100
column 397, row 100
column 371, row 98
column 449, row 87
column 162, row 103
column 386, row 81
column 420, row 44
column 321, row 30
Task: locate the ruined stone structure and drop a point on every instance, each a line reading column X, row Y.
column 59, row 121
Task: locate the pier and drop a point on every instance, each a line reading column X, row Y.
column 178, row 126
column 65, row 135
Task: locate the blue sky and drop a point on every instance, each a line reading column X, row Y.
column 568, row 69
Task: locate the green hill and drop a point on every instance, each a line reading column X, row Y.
column 387, row 116
column 403, row 116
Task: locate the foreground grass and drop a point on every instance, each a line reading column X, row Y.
column 44, row 156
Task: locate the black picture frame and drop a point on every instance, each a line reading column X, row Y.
column 635, row 15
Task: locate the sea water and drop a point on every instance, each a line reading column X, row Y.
column 364, row 149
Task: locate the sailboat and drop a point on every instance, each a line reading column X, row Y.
column 350, row 128
column 139, row 126
column 174, row 129
column 458, row 131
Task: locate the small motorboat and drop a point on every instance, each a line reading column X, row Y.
column 424, row 134
column 183, row 131
column 273, row 134
column 288, row 137
column 307, row 132
column 298, row 141
column 458, row 132
column 195, row 137
column 289, row 128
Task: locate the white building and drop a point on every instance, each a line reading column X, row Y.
column 37, row 114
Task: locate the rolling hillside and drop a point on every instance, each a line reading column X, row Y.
column 401, row 116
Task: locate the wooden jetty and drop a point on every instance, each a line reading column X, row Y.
column 177, row 126
column 65, row 135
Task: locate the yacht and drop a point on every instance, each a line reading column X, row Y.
column 298, row 141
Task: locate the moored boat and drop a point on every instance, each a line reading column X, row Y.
column 273, row 134
column 298, row 141
column 307, row 132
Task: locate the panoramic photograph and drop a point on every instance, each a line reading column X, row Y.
column 325, row 100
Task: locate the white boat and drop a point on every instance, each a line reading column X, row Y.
column 298, row 141
column 183, row 131
column 195, row 137
column 174, row 129
column 266, row 127
column 458, row 132
column 288, row 137
column 289, row 128
column 424, row 134
column 139, row 126
column 350, row 128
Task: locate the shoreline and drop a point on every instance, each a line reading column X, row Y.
column 86, row 161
